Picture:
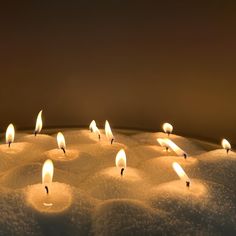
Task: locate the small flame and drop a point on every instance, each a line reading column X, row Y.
column 162, row 142
column 180, row 172
column 121, row 159
column 39, row 123
column 108, row 131
column 47, row 172
column 225, row 144
column 175, row 148
column 93, row 127
column 168, row 128
column 61, row 141
column 10, row 134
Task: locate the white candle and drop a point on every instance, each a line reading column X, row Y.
column 62, row 153
column 49, row 196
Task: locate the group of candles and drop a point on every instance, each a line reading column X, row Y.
column 120, row 160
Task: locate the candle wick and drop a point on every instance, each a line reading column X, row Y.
column 35, row 133
column 168, row 133
column 99, row 136
column 167, row 149
column 227, row 150
column 9, row 144
column 122, row 171
column 47, row 190
column 187, row 184
column 185, row 156
column 63, row 149
column 112, row 140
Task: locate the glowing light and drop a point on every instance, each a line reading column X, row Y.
column 39, row 123
column 121, row 161
column 47, row 172
column 176, row 148
column 93, row 127
column 10, row 134
column 181, row 173
column 168, row 128
column 108, row 132
column 163, row 143
column 226, row 145
column 61, row 141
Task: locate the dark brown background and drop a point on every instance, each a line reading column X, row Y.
column 135, row 63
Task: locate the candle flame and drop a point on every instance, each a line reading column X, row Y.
column 168, row 128
column 121, row 159
column 162, row 142
column 47, row 172
column 10, row 134
column 225, row 144
column 39, row 123
column 175, row 148
column 180, row 172
column 108, row 131
column 61, row 141
column 93, row 127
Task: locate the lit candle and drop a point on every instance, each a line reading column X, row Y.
column 56, row 153
column 47, row 175
column 163, row 143
column 180, row 172
column 10, row 134
column 94, row 129
column 39, row 123
column 53, row 197
column 168, row 128
column 121, row 161
column 108, row 132
column 176, row 148
column 226, row 145
column 61, row 142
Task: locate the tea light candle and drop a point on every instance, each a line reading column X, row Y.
column 49, row 197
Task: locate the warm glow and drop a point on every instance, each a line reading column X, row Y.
column 93, row 127
column 39, row 123
column 121, row 159
column 175, row 148
column 168, row 128
column 162, row 142
column 61, row 141
column 225, row 144
column 108, row 131
column 47, row 172
column 180, row 172
column 10, row 134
